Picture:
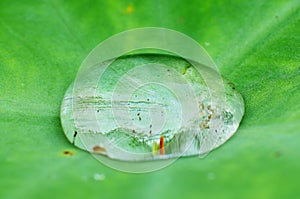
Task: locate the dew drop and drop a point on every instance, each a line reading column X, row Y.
column 182, row 118
column 99, row 177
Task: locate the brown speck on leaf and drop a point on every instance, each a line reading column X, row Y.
column 68, row 153
column 99, row 149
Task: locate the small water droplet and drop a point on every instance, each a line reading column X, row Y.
column 99, row 176
column 206, row 43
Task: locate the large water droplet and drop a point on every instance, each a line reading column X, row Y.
column 150, row 106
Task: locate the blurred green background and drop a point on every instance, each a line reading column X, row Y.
column 254, row 43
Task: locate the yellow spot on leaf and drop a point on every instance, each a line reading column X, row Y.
column 129, row 9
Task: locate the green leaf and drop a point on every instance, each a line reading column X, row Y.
column 254, row 43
